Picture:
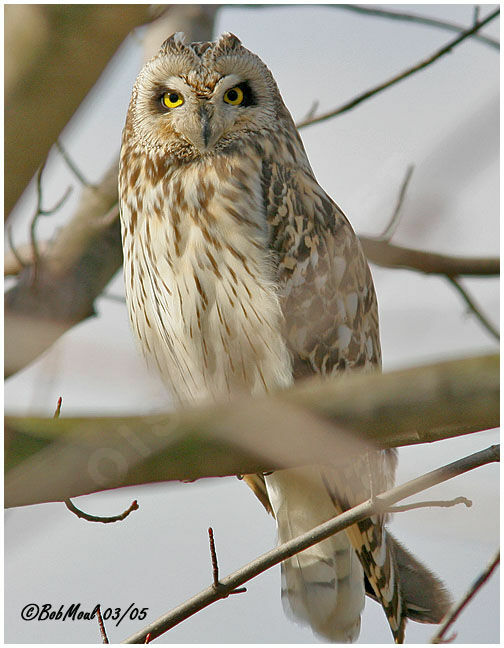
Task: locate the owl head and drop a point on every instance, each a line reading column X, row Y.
column 193, row 100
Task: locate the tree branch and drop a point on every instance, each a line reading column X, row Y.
column 415, row 18
column 52, row 460
column 349, row 105
column 87, row 251
column 61, row 47
column 100, row 518
column 475, row 587
column 391, row 227
column 101, row 625
column 379, row 504
column 474, row 308
column 430, row 504
column 388, row 255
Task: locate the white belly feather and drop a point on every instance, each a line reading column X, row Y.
column 209, row 321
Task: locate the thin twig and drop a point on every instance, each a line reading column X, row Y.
column 33, row 224
column 40, row 211
column 476, row 14
column 389, row 231
column 58, row 408
column 416, row 18
column 457, row 609
column 400, row 77
column 473, row 307
column 73, row 167
column 101, row 625
column 213, row 555
column 97, row 518
column 319, row 533
column 215, row 568
column 312, row 110
column 429, row 504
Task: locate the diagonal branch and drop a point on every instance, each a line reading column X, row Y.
column 475, row 587
column 474, row 308
column 415, row 18
column 319, row 533
column 391, row 227
column 403, row 75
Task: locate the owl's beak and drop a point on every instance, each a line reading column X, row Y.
column 206, row 131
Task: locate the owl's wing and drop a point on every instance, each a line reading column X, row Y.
column 326, row 289
column 331, row 325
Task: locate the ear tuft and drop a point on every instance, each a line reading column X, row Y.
column 175, row 43
column 227, row 43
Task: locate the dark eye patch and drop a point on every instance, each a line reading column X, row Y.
column 249, row 98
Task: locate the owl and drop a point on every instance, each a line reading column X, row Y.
column 243, row 276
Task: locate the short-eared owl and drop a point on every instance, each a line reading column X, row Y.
column 242, row 274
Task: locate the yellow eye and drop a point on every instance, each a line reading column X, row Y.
column 234, row 96
column 172, row 99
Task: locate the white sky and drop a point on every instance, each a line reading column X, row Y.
column 445, row 121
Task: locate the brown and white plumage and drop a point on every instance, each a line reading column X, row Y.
column 241, row 274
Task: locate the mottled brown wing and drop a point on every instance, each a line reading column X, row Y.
column 331, row 326
column 327, row 292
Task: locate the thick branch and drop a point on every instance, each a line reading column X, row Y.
column 403, row 75
column 389, row 255
column 319, row 533
column 73, row 271
column 52, row 460
column 86, row 252
column 61, row 47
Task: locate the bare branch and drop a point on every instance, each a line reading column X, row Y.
column 417, row 18
column 40, row 211
column 215, row 569
column 476, row 14
column 312, row 110
column 87, row 251
column 58, row 408
column 403, row 75
column 389, row 255
column 97, row 518
column 213, row 556
column 455, row 612
column 101, row 625
column 73, row 167
column 388, row 232
column 473, row 307
column 78, row 263
column 286, row 550
column 51, row 460
column 77, row 41
column 430, row 504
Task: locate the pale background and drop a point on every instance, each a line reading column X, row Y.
column 445, row 120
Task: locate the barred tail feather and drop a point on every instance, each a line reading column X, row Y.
column 323, row 585
column 373, row 545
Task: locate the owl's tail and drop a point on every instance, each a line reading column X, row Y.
column 323, row 585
